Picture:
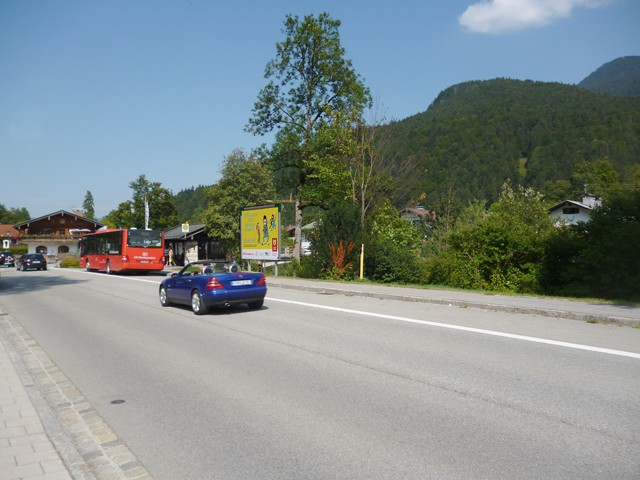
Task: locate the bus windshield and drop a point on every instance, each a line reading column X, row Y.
column 144, row 238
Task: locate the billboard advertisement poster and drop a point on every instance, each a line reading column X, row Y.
column 260, row 233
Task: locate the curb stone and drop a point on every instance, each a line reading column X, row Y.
column 490, row 306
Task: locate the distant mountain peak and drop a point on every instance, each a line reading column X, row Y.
column 618, row 77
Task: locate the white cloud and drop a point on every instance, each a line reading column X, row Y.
column 499, row 16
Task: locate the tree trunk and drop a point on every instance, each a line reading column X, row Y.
column 297, row 233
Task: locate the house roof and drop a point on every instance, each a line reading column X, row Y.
column 8, row 231
column 176, row 232
column 60, row 213
column 304, row 228
column 570, row 203
column 419, row 211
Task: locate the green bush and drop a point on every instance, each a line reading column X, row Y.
column 18, row 250
column 388, row 263
column 310, row 267
column 70, row 261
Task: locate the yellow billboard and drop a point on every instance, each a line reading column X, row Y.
column 260, row 233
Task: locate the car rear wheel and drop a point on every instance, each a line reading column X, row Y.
column 164, row 300
column 197, row 304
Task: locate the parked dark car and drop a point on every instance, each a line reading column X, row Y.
column 31, row 261
column 205, row 284
column 7, row 259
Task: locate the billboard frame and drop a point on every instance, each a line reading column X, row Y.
column 255, row 222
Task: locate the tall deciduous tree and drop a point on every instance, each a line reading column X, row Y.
column 163, row 213
column 88, row 207
column 359, row 153
column 245, row 182
column 308, row 78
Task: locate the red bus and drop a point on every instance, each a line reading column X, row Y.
column 118, row 250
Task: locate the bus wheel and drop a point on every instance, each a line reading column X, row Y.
column 197, row 304
column 108, row 267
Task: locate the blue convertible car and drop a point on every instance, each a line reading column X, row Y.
column 205, row 284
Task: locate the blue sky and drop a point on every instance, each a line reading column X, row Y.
column 95, row 93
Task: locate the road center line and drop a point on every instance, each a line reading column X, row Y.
column 525, row 338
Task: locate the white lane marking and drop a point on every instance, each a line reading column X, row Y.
column 525, row 338
column 104, row 275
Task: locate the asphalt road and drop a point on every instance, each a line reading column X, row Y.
column 319, row 386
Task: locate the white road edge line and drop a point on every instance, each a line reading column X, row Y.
column 525, row 338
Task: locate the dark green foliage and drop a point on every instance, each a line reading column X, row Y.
column 13, row 216
column 600, row 258
column 391, row 247
column 340, row 222
column 88, row 206
column 619, row 77
column 562, row 269
column 389, row 262
column 477, row 135
column 501, row 250
column 192, row 204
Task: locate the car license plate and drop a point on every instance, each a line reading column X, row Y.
column 36, row 261
column 237, row 283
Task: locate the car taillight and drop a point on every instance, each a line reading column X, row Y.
column 213, row 284
column 263, row 281
column 125, row 259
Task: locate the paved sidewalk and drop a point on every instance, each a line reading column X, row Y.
column 48, row 430
column 26, row 452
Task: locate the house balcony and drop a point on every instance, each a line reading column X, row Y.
column 52, row 245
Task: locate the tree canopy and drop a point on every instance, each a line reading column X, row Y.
column 13, row 216
column 245, row 182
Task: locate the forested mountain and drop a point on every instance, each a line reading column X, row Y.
column 478, row 134
column 619, row 77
